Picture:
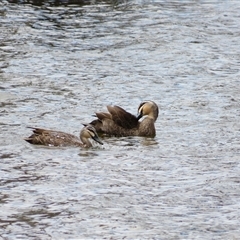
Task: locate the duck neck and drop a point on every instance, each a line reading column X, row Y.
column 147, row 127
column 153, row 114
column 86, row 142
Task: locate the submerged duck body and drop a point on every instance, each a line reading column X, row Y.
column 118, row 122
column 61, row 139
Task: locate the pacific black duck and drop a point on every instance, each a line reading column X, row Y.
column 118, row 122
column 57, row 138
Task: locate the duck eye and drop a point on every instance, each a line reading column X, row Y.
column 141, row 106
column 91, row 132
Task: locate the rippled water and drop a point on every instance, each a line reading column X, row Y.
column 61, row 63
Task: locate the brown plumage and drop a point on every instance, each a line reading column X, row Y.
column 118, row 122
column 57, row 138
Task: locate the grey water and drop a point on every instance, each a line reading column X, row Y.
column 61, row 61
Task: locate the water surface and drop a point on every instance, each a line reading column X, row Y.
column 60, row 63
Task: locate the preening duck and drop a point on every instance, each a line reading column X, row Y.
column 118, row 122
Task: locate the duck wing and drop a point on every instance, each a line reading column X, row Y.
column 40, row 136
column 102, row 115
column 122, row 117
column 51, row 138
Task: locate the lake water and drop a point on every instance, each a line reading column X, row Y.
column 60, row 63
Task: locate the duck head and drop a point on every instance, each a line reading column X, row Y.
column 148, row 108
column 89, row 132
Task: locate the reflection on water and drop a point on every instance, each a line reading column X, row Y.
column 62, row 62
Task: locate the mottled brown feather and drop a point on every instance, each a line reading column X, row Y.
column 122, row 117
column 102, row 115
column 118, row 122
column 58, row 138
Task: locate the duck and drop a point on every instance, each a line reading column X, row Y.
column 120, row 123
column 47, row 137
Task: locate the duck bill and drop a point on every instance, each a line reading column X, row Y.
column 97, row 139
column 139, row 116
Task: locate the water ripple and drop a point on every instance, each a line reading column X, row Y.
column 61, row 61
